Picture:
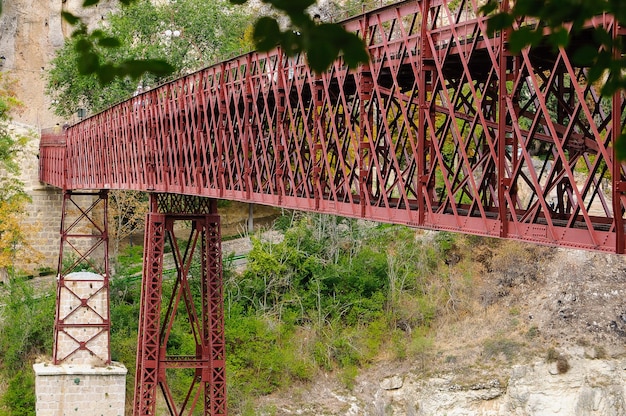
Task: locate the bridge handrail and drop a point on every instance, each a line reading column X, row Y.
column 262, row 127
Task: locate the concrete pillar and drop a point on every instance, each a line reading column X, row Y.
column 82, row 335
column 70, row 389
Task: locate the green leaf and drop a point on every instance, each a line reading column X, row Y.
column 595, row 72
column 70, row 18
column 80, row 31
column 83, row 45
column 585, row 55
column 159, row 67
column 559, row 37
column 498, row 22
column 135, row 68
column 266, row 33
column 490, row 6
column 109, row 42
column 354, row 51
column 292, row 42
column 534, row 8
column 602, row 36
column 291, row 7
column 620, row 147
column 523, row 37
column 106, row 73
column 87, row 3
column 98, row 33
column 88, row 63
column 329, row 39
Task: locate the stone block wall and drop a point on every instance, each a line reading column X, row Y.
column 80, row 390
column 44, row 220
column 84, row 308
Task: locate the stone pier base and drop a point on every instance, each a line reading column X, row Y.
column 64, row 390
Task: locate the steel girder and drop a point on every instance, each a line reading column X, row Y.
column 205, row 316
column 443, row 129
column 82, row 324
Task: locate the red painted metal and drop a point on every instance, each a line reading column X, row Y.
column 443, row 129
column 83, row 246
column 207, row 390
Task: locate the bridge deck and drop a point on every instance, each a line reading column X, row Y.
column 444, row 129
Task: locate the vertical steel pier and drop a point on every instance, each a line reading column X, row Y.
column 205, row 316
column 82, row 324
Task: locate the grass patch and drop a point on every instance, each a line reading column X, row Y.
column 493, row 348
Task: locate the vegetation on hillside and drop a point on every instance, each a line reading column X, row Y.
column 188, row 33
column 14, row 247
column 330, row 298
column 21, row 344
column 333, row 296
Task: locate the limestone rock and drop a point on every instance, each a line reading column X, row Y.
column 391, row 383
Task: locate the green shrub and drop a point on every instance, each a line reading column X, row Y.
column 20, row 394
column 533, row 332
column 348, row 376
column 130, row 261
column 20, row 344
column 552, row 355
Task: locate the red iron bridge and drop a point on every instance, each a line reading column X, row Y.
column 443, row 129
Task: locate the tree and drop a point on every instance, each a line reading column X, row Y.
column 322, row 42
column 186, row 33
column 21, row 344
column 13, row 199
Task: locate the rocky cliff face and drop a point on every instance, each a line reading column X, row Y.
column 30, row 32
column 589, row 388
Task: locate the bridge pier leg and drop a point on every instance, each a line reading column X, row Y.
column 197, row 269
column 81, row 378
column 82, row 325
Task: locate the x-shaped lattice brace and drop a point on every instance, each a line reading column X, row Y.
column 82, row 324
column 196, row 266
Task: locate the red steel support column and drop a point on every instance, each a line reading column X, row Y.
column 207, row 391
column 214, row 346
column 425, row 58
column 148, row 339
column 365, row 136
column 83, row 245
column 316, row 147
column 503, row 182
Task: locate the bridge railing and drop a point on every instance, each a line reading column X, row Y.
column 52, row 156
column 443, row 129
